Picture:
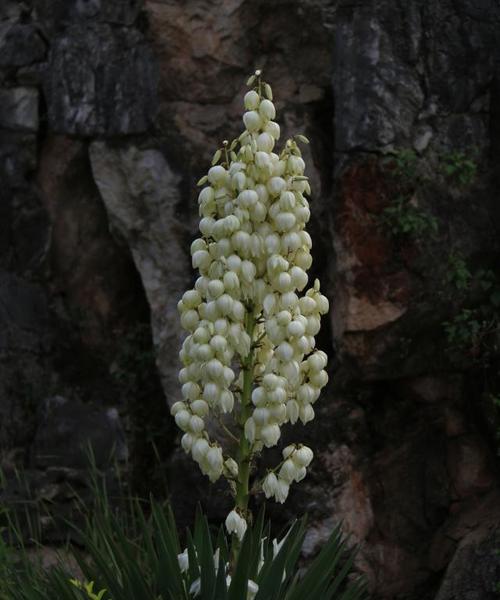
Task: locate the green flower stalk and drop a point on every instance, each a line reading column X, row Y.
column 249, row 359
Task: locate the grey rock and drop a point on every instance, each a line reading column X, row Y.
column 18, row 155
column 142, row 196
column 101, row 80
column 474, row 572
column 25, row 339
column 57, row 13
column 20, row 45
column 10, row 9
column 19, row 108
column 24, row 316
column 68, row 429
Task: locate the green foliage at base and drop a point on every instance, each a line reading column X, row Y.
column 138, row 558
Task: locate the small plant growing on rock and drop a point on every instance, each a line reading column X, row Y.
column 404, row 217
column 459, row 168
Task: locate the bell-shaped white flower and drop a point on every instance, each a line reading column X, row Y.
column 236, row 524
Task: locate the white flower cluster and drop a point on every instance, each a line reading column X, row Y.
column 245, row 311
column 296, row 459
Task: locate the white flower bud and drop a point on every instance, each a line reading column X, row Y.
column 238, row 181
column 296, row 329
column 218, row 343
column 259, row 396
column 281, row 492
column 248, row 271
column 276, row 185
column 289, row 301
column 263, row 161
column 299, row 278
column 190, row 391
column 231, row 281
column 252, row 122
column 273, row 243
column 319, row 379
column 215, row 288
column 317, row 361
column 250, row 430
column 270, row 485
column 288, row 471
column 248, row 198
column 236, row 524
column 273, row 129
column 232, row 467
column 265, row 143
column 201, row 260
column 217, row 175
column 269, row 304
column 296, row 165
column 187, row 441
column 267, row 110
column 313, row 325
column 251, row 100
column 306, row 414
column 303, row 259
column 196, row 424
column 253, row 588
column 285, row 221
column 287, row 201
column 200, row 408
column 211, row 393
column 214, row 458
column 226, row 401
column 183, row 560
column 261, row 416
column 191, row 298
column 177, row 407
column 284, row 282
column 284, row 351
column 303, row 456
column 270, row 434
column 322, row 304
column 182, row 419
column 200, row 449
column 225, row 304
column 207, row 194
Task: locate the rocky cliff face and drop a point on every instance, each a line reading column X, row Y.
column 109, row 113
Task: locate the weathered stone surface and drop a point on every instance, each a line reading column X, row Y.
column 19, row 108
column 57, row 13
column 20, row 45
column 399, row 69
column 10, row 9
column 17, row 159
column 67, row 429
column 474, row 571
column 101, row 80
column 142, row 196
column 25, row 337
